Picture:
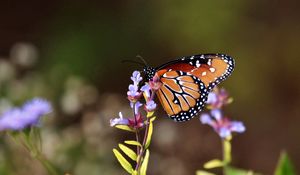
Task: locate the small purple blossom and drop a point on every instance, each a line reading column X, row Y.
column 150, row 106
column 37, row 106
column 119, row 121
column 147, row 91
column 135, row 123
column 26, row 116
column 222, row 125
column 12, row 120
column 133, row 90
column 218, row 98
column 212, row 98
column 136, row 77
column 133, row 93
column 137, row 106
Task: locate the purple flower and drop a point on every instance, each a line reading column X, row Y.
column 136, row 77
column 133, row 93
column 222, row 125
column 212, row 98
column 218, row 98
column 147, row 91
column 119, row 121
column 12, row 120
column 150, row 106
column 133, row 90
column 137, row 106
column 37, row 106
column 26, row 116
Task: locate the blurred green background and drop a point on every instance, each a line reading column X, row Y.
column 70, row 52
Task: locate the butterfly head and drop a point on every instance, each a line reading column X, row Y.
column 149, row 72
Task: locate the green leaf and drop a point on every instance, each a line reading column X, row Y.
column 200, row 172
column 215, row 163
column 124, row 163
column 145, row 163
column 133, row 142
column 128, row 151
column 152, row 119
column 124, row 127
column 150, row 114
column 237, row 171
column 134, row 172
column 149, row 135
column 284, row 165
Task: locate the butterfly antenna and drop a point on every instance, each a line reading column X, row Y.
column 143, row 60
column 131, row 61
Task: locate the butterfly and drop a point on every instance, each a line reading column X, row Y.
column 187, row 81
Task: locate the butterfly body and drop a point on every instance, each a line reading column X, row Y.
column 187, row 81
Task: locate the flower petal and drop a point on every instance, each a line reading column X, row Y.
column 150, row 105
column 12, row 120
column 224, row 132
column 237, row 126
column 136, row 77
column 132, row 90
column 146, row 89
column 206, row 119
column 119, row 121
column 217, row 114
column 28, row 115
column 137, row 105
column 37, row 106
column 211, row 98
column 120, row 115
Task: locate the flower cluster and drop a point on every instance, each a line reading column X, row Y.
column 137, row 122
column 218, row 98
column 134, row 95
column 221, row 124
column 27, row 115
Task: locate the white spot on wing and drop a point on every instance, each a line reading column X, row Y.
column 198, row 64
column 209, row 62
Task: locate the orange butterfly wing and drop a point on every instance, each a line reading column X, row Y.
column 187, row 81
column 182, row 95
column 210, row 68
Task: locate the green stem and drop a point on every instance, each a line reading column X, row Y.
column 33, row 150
column 142, row 151
column 138, row 140
column 226, row 154
column 35, row 153
column 48, row 166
